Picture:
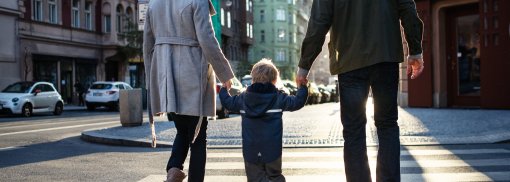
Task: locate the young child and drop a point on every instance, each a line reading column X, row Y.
column 261, row 107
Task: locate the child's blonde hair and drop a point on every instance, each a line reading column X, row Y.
column 264, row 72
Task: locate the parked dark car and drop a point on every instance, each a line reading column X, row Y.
column 334, row 93
column 314, row 95
column 291, row 86
column 325, row 94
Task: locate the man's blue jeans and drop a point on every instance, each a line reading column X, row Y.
column 186, row 126
column 383, row 79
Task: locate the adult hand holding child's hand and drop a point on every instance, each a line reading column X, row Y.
column 227, row 84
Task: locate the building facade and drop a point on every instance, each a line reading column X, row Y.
column 279, row 29
column 69, row 41
column 236, row 19
column 9, row 46
column 466, row 51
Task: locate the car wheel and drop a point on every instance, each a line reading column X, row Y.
column 59, row 108
column 27, row 110
column 90, row 107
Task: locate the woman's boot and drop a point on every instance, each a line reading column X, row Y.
column 175, row 175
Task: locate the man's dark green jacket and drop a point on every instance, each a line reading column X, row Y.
column 362, row 32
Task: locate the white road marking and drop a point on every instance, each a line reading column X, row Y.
column 424, row 164
column 10, row 148
column 475, row 176
column 56, row 123
column 371, row 153
column 59, row 128
column 339, row 164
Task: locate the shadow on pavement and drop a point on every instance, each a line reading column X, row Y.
column 65, row 148
column 470, row 163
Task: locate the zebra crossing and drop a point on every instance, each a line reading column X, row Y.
column 417, row 164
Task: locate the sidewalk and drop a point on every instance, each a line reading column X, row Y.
column 72, row 107
column 320, row 126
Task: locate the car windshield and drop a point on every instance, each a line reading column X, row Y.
column 101, row 86
column 20, row 87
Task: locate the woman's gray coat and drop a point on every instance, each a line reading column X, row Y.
column 182, row 56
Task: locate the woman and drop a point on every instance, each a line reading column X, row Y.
column 181, row 57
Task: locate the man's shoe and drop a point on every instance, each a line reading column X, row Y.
column 175, row 175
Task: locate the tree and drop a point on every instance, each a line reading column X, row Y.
column 133, row 38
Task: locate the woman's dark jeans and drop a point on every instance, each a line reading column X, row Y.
column 186, row 126
column 383, row 79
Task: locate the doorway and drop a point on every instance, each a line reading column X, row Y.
column 463, row 56
column 66, row 81
column 112, row 71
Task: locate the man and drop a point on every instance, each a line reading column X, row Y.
column 365, row 51
column 80, row 89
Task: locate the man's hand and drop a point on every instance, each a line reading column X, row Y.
column 301, row 77
column 414, row 67
column 227, row 84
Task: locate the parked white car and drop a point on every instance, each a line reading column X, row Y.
column 26, row 98
column 105, row 94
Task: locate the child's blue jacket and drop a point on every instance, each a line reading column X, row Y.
column 261, row 107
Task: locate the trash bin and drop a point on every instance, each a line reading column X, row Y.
column 131, row 107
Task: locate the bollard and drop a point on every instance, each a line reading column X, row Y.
column 131, row 107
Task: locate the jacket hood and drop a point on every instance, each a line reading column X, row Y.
column 259, row 98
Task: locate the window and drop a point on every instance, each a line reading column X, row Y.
column 229, row 20
column 247, row 5
column 107, row 19
column 129, row 18
column 88, row 15
column 222, row 17
column 281, row 34
column 119, row 18
column 251, row 31
column 52, row 11
column 75, row 14
column 37, row 11
column 262, row 36
column 262, row 16
column 39, row 87
column 280, row 55
column 47, row 88
column 251, row 5
column 280, row 15
column 291, row 38
column 247, row 30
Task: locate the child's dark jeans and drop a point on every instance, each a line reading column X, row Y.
column 264, row 172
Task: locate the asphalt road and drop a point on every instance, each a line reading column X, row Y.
column 19, row 131
column 48, row 148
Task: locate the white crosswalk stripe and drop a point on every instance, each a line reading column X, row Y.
column 416, row 165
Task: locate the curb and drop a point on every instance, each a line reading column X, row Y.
column 109, row 140
column 92, row 137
